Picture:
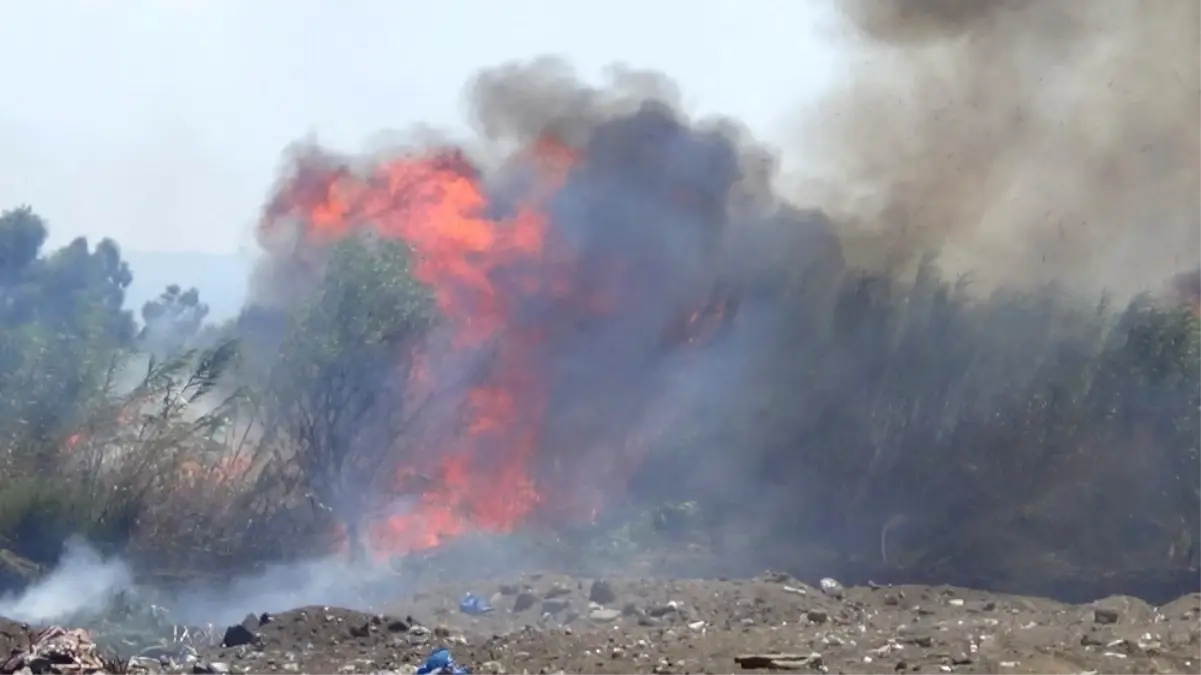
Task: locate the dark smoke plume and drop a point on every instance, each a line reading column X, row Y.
column 1029, row 141
column 661, row 214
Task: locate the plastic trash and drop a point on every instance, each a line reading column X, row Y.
column 474, row 605
column 440, row 662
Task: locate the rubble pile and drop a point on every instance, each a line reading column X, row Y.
column 55, row 649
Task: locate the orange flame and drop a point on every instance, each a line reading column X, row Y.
column 483, row 263
column 436, row 203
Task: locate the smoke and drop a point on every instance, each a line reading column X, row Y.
column 659, row 215
column 1026, row 141
column 83, row 582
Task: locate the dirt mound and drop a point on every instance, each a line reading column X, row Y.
column 551, row 623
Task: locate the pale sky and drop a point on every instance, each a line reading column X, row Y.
column 161, row 122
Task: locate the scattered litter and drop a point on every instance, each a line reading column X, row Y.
column 779, row 661
column 440, row 662
column 57, row 650
column 474, row 605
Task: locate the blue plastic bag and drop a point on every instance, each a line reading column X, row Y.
column 474, row 605
column 440, row 662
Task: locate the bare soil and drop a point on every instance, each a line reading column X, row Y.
column 554, row 623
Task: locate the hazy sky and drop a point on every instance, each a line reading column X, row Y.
column 160, row 122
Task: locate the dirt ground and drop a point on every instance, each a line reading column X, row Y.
column 553, row 624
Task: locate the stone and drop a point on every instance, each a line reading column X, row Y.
column 604, row 614
column 554, row 606
column 524, row 601
column 238, row 635
column 601, row 592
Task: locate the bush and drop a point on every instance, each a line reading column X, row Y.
column 979, row 433
column 902, row 420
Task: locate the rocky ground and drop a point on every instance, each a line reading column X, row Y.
column 552, row 623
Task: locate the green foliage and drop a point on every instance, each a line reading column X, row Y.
column 1004, row 428
column 337, row 389
column 62, row 325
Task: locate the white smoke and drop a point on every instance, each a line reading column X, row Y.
column 83, row 582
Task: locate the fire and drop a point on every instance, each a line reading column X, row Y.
column 473, row 261
column 509, row 287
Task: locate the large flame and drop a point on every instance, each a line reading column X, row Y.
column 488, row 266
column 481, row 267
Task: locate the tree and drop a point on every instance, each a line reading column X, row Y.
column 61, row 325
column 172, row 321
column 337, row 390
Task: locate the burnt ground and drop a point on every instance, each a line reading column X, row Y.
column 555, row 623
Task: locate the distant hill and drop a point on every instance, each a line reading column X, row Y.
column 221, row 278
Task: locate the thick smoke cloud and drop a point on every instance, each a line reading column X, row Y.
column 1031, row 141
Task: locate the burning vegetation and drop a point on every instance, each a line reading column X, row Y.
column 623, row 311
column 616, row 236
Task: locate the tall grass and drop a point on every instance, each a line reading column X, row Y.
column 971, row 430
column 1033, row 428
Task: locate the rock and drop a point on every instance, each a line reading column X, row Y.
column 491, row 668
column 924, row 641
column 832, row 588
column 660, row 611
column 1105, row 615
column 238, row 635
column 601, row 592
column 604, row 614
column 554, row 606
column 817, row 615
column 509, row 589
column 630, row 609
column 524, row 601
column 557, row 591
column 210, row 668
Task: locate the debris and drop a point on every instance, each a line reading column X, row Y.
column 474, row 605
column 57, row 650
column 779, row 661
column 440, row 662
